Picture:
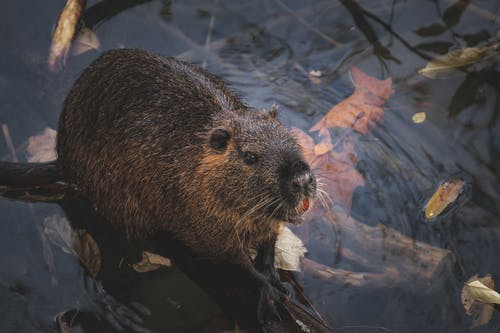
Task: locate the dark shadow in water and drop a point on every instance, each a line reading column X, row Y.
column 231, row 287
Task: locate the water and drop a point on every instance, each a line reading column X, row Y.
column 264, row 49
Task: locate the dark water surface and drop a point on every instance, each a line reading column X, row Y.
column 265, row 49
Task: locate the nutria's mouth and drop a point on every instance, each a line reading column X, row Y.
column 296, row 217
column 304, row 205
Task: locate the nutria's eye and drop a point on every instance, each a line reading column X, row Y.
column 249, row 158
column 219, row 138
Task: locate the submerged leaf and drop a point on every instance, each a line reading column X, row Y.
column 363, row 109
column 439, row 47
column 434, row 29
column 452, row 14
column 446, row 194
column 467, row 94
column 336, row 172
column 459, row 58
column 59, row 232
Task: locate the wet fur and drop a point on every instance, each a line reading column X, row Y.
column 134, row 137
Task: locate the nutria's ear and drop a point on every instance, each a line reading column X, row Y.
column 272, row 112
column 219, row 137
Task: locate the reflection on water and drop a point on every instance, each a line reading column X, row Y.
column 267, row 50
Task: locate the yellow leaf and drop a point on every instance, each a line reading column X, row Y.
column 445, row 195
column 457, row 59
column 418, row 117
column 479, row 292
column 64, row 33
column 473, row 291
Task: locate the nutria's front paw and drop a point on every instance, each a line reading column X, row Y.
column 271, row 306
column 284, row 288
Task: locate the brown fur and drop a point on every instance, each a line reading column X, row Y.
column 135, row 134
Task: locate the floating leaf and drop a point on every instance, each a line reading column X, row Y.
column 64, row 33
column 479, row 292
column 363, row 109
column 418, row 117
column 150, row 262
column 315, row 73
column 445, row 195
column 477, row 298
column 85, row 41
column 442, row 65
column 42, row 147
column 289, row 250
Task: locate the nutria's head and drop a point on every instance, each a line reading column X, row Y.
column 255, row 167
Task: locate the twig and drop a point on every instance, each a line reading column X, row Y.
column 8, row 140
column 208, row 39
column 367, row 327
column 357, row 12
column 307, row 25
column 47, row 251
column 395, row 34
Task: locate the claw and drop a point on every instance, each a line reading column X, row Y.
column 272, row 306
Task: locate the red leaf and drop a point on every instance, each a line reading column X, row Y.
column 335, row 171
column 363, row 109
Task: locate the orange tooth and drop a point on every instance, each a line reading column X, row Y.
column 305, row 205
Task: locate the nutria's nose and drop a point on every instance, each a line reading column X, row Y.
column 304, row 181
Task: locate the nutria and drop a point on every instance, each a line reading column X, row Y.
column 160, row 145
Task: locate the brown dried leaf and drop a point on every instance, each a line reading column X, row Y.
column 42, row 147
column 477, row 298
column 150, row 262
column 87, row 251
column 446, row 194
column 363, row 109
column 64, row 33
column 335, row 171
